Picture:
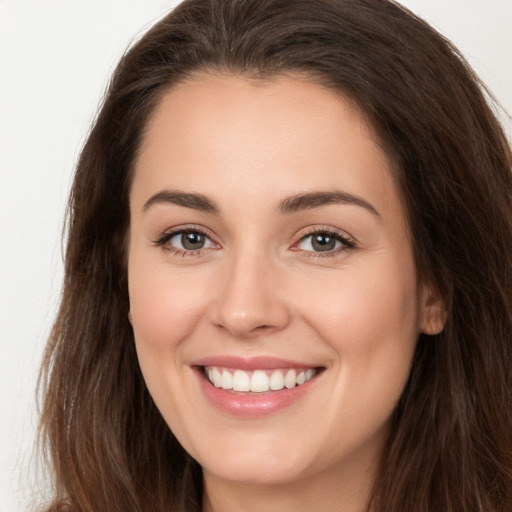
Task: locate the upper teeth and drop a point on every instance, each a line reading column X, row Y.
column 258, row 381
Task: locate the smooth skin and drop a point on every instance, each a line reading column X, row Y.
column 330, row 283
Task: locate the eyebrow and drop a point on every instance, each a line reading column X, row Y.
column 186, row 199
column 299, row 202
column 310, row 200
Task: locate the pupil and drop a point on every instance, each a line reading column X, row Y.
column 323, row 243
column 192, row 240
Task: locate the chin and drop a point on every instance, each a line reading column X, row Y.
column 249, row 471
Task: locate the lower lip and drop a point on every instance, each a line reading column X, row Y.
column 252, row 405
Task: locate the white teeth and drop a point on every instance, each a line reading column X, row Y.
column 258, row 381
column 276, row 381
column 227, row 380
column 290, row 379
column 241, row 381
column 215, row 376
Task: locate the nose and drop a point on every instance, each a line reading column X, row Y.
column 251, row 298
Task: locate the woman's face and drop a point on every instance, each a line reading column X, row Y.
column 269, row 250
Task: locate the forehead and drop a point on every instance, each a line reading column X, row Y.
column 261, row 139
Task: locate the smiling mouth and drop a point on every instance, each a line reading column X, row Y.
column 258, row 381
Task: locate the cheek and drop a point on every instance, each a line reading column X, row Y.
column 366, row 306
column 164, row 305
column 370, row 320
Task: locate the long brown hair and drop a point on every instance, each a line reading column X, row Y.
column 451, row 444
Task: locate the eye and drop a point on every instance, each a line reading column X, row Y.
column 190, row 240
column 324, row 242
column 185, row 241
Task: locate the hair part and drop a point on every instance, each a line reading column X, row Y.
column 450, row 448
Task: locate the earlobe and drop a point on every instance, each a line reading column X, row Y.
column 433, row 311
column 130, row 317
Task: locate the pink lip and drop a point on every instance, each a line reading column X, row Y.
column 249, row 364
column 250, row 405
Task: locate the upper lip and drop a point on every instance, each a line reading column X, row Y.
column 251, row 364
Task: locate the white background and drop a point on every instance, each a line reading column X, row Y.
column 55, row 59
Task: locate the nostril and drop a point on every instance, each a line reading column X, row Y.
column 262, row 328
column 242, row 331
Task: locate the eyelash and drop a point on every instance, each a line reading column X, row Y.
column 162, row 242
column 346, row 242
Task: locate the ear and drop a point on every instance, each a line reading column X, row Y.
column 433, row 312
column 130, row 317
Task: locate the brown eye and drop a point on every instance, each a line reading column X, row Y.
column 186, row 241
column 192, row 240
column 323, row 242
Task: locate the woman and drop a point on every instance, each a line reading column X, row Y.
column 288, row 274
